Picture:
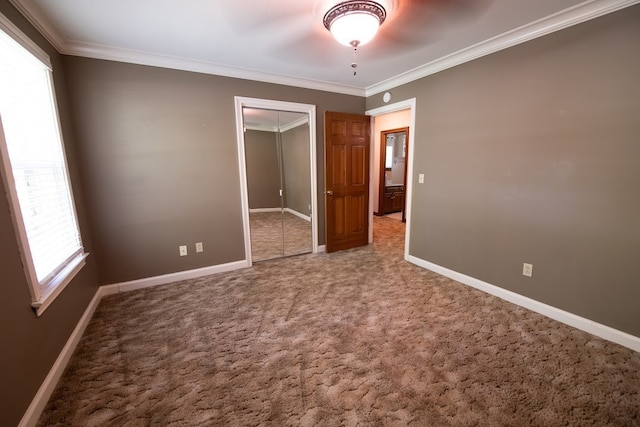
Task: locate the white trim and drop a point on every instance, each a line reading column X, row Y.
column 310, row 110
column 21, row 38
column 164, row 279
column 41, row 22
column 49, row 31
column 289, row 210
column 409, row 104
column 287, row 127
column 244, row 188
column 31, row 416
column 606, row 332
column 582, row 12
column 566, row 18
column 313, row 170
column 298, row 214
column 261, row 128
column 44, row 292
column 258, row 210
column 294, row 124
column 178, row 63
column 60, row 281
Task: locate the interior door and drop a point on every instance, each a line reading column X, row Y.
column 346, row 180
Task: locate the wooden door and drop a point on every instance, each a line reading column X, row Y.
column 346, row 180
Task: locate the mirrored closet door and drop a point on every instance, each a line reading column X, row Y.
column 277, row 153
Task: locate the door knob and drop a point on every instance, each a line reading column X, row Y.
column 329, row 193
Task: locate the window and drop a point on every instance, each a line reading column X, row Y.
column 34, row 168
column 388, row 160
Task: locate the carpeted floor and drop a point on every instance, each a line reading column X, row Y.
column 278, row 234
column 357, row 337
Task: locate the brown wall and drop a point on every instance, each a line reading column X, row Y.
column 263, row 169
column 31, row 344
column 159, row 162
column 532, row 155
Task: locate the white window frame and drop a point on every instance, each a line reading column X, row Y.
column 42, row 294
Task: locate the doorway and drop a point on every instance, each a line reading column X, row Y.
column 276, row 147
column 393, row 172
column 389, row 117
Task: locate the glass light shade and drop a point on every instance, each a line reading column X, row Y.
column 358, row 27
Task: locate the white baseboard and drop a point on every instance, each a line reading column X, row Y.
column 30, row 418
column 298, row 214
column 584, row 324
column 322, row 248
column 258, row 210
column 41, row 398
column 289, row 210
column 173, row 277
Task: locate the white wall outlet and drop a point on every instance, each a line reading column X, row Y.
column 183, row 250
column 199, row 247
column 527, row 269
column 421, row 178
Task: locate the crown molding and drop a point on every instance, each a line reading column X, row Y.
column 178, row 63
column 572, row 16
column 582, row 12
column 21, row 38
column 261, row 128
column 41, row 22
column 294, row 124
column 287, row 127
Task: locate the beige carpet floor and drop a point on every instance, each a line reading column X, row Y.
column 352, row 338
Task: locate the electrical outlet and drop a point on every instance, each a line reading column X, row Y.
column 527, row 269
column 199, row 247
column 183, row 250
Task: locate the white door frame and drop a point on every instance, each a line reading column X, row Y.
column 268, row 104
column 409, row 104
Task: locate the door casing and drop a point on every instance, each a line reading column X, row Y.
column 381, row 177
column 408, row 189
column 310, row 110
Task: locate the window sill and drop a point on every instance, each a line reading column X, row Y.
column 58, row 283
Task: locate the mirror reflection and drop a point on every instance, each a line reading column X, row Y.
column 277, row 151
column 396, row 148
column 393, row 171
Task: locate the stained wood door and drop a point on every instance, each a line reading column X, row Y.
column 346, row 180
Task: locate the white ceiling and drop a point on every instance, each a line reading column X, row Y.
column 284, row 41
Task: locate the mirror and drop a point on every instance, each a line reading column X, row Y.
column 395, row 154
column 277, row 152
column 393, row 170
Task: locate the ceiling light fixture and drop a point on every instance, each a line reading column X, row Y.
column 354, row 22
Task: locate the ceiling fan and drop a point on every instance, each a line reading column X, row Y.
column 400, row 25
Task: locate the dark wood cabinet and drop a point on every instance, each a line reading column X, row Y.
column 393, row 199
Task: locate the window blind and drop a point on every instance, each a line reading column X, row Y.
column 36, row 156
